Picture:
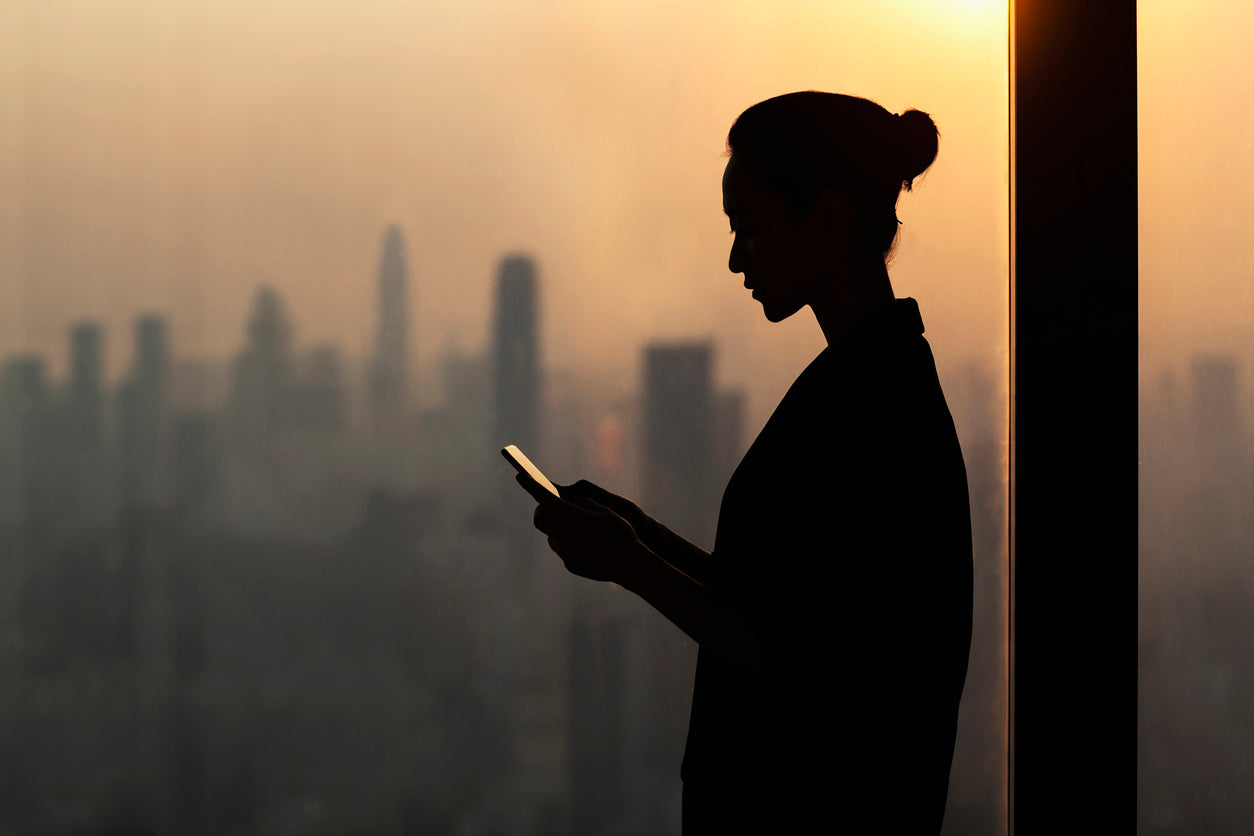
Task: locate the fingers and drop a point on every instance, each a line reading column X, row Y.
column 590, row 505
column 531, row 486
column 589, row 490
column 528, row 484
column 552, row 514
column 544, row 519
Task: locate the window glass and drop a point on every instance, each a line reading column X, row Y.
column 279, row 280
column 1196, row 160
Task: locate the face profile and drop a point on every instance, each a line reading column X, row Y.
column 771, row 245
column 811, row 190
column 789, row 259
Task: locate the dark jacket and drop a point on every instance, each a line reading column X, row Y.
column 844, row 537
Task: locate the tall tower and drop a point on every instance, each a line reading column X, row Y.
column 679, row 437
column 143, row 416
column 26, row 438
column 152, row 352
column 85, row 470
column 86, row 396
column 262, row 379
column 389, row 377
column 683, row 424
column 1220, row 450
column 516, row 355
column 541, row 724
column 1216, row 405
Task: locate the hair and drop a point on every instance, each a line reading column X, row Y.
column 799, row 143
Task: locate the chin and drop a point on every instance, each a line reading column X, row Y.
column 774, row 313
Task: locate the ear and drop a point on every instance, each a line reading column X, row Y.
column 835, row 211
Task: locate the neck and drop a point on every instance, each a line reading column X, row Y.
column 849, row 301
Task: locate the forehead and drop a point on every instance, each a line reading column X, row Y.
column 738, row 187
column 742, row 191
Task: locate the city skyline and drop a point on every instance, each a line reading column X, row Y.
column 233, row 236
column 546, row 133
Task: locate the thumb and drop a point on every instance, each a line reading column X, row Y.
column 588, row 504
column 593, row 491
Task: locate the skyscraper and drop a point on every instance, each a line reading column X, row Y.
column 389, row 376
column 262, row 380
column 541, row 722
column 86, row 395
column 685, row 424
column 25, row 438
column 319, row 397
column 152, row 352
column 83, row 468
column 516, row 355
column 680, row 438
column 1221, row 451
column 598, row 684
column 142, row 424
column 1216, row 409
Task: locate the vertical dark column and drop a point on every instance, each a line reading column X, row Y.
column 679, row 438
column 86, row 401
column 142, row 417
column 681, row 417
column 390, row 375
column 84, row 487
column 262, row 379
column 1074, row 442
column 597, row 683
column 516, row 356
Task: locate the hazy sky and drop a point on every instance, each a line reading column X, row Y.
column 162, row 156
column 1196, row 157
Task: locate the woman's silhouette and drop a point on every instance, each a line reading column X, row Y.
column 834, row 614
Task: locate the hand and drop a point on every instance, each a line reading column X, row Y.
column 625, row 508
column 592, row 541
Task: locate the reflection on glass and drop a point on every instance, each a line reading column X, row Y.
column 280, row 276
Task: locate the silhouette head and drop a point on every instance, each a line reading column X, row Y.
column 811, row 193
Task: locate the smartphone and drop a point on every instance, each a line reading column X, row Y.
column 523, row 465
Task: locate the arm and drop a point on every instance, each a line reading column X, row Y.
column 708, row 620
column 597, row 543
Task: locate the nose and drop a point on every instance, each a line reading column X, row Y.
column 735, row 259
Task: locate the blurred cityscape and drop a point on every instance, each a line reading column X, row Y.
column 1196, row 596
column 276, row 596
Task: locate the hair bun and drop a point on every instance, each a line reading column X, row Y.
column 917, row 144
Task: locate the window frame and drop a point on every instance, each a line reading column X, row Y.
column 1073, row 444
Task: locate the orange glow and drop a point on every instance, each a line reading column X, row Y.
column 175, row 156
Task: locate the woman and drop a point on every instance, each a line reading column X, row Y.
column 834, row 614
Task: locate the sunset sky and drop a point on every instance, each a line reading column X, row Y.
column 170, row 157
column 1196, row 158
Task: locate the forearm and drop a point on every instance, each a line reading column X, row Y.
column 690, row 606
column 681, row 553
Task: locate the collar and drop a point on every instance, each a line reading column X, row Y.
column 900, row 317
